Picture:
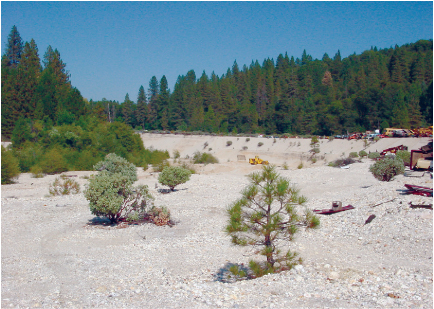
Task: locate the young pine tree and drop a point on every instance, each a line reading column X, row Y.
column 267, row 217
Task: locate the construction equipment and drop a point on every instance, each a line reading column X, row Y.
column 257, row 160
column 423, row 132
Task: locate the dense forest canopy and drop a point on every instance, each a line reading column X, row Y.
column 376, row 89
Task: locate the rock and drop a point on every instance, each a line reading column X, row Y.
column 334, row 275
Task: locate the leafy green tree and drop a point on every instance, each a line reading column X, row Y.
column 173, row 176
column 10, row 166
column 266, row 217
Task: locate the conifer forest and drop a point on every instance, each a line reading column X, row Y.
column 379, row 88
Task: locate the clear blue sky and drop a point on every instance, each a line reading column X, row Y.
column 112, row 48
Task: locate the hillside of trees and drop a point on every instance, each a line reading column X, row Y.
column 378, row 88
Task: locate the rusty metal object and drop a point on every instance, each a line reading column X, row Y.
column 429, row 206
column 370, row 218
column 336, row 207
column 419, row 190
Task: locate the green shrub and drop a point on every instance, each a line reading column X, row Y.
column 174, row 175
column 341, row 162
column 300, row 166
column 245, row 148
column 387, row 168
column 404, row 155
column 10, row 166
column 362, row 153
column 228, row 143
column 260, row 144
column 52, row 162
column 112, row 195
column 247, row 139
column 267, row 217
column 204, row 158
column 176, row 154
column 36, row 171
column 373, row 155
column 353, row 155
column 160, row 166
column 313, row 160
column 63, row 186
column 285, row 166
column 114, row 164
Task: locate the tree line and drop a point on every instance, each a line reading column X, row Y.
column 377, row 89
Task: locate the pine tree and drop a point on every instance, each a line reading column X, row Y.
column 14, row 48
column 127, row 111
column 142, row 108
column 153, row 103
column 163, row 104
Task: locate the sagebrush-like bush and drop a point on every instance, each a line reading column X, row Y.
column 387, row 168
column 341, row 162
column 116, row 164
column 112, row 195
column 353, row 155
column 373, row 155
column 362, row 153
column 172, row 176
column 63, row 186
column 228, row 143
column 10, row 166
column 204, row 158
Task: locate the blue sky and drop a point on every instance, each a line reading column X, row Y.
column 112, row 48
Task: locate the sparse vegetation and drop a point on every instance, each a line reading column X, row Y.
column 386, row 169
column 353, row 155
column 64, row 185
column 260, row 144
column 300, row 166
column 173, row 176
column 362, row 153
column 228, row 143
column 176, row 154
column 160, row 166
column 204, row 158
column 341, row 162
column 248, row 139
column 373, row 155
column 267, row 218
column 285, row 166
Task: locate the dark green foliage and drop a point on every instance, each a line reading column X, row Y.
column 267, row 218
column 10, row 166
column 386, row 87
column 21, row 133
column 204, row 158
column 387, row 168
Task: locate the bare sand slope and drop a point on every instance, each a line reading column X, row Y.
column 276, row 151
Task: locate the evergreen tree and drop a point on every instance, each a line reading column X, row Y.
column 128, row 111
column 14, row 48
column 163, row 104
column 142, row 109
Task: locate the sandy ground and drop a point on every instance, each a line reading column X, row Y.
column 52, row 258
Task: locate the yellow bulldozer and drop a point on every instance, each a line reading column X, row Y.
column 257, row 160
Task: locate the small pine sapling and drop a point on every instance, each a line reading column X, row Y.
column 267, row 217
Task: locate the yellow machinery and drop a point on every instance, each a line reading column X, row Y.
column 257, row 160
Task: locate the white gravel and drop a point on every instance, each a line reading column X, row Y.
column 51, row 258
